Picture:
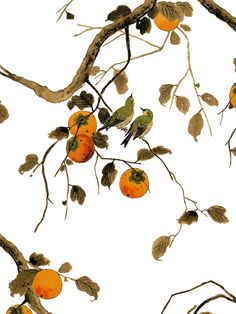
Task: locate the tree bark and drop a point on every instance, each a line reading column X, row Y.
column 219, row 12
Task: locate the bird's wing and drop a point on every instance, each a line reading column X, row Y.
column 141, row 127
column 116, row 120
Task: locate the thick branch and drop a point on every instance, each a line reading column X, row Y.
column 219, row 12
column 21, row 264
column 83, row 72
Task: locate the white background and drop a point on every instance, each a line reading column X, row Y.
column 110, row 237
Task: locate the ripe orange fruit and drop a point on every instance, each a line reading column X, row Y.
column 134, row 183
column 86, row 122
column 232, row 96
column 47, row 284
column 164, row 24
column 80, row 149
column 21, row 310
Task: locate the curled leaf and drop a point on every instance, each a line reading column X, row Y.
column 100, row 140
column 160, row 246
column 22, row 282
column 82, row 101
column 174, row 38
column 121, row 11
column 38, row 259
column 217, row 213
column 170, row 10
column 195, row 125
column 144, row 25
column 185, row 27
column 77, row 194
column 161, row 150
column 95, row 70
column 188, row 217
column 59, row 133
column 31, row 161
column 65, row 268
column 182, row 103
column 103, row 115
column 165, row 93
column 121, row 82
column 109, row 174
column 209, row 99
column 85, row 284
column 144, row 154
column 4, row 115
column 185, row 7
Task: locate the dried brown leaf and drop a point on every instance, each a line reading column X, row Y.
column 160, row 246
column 59, row 133
column 65, row 268
column 170, row 10
column 109, row 174
column 205, row 313
column 185, row 27
column 22, row 282
column 100, row 140
column 95, row 70
column 182, row 103
column 161, row 150
column 185, row 7
column 103, row 115
column 38, row 259
column 69, row 16
column 77, row 194
column 144, row 154
column 31, row 161
column 188, row 217
column 85, row 284
column 69, row 162
column 4, row 114
column 165, row 93
column 217, row 213
column 121, row 81
column 121, row 10
column 174, row 38
column 195, row 125
column 144, row 25
column 82, row 101
column 209, row 99
column 153, row 12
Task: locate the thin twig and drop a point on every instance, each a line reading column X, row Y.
column 63, row 9
column 67, row 190
column 229, row 147
column 177, row 86
column 193, row 308
column 99, row 96
column 96, row 175
column 45, row 183
column 193, row 79
column 117, row 159
column 218, row 296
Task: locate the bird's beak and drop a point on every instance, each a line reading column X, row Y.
column 142, row 109
column 131, row 95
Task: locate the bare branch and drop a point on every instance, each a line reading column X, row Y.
column 219, row 12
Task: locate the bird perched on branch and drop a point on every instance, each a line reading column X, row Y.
column 122, row 116
column 140, row 126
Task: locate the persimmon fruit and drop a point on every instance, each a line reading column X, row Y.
column 232, row 96
column 80, row 148
column 21, row 310
column 82, row 122
column 164, row 24
column 134, row 183
column 47, row 284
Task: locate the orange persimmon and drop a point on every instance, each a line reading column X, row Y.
column 80, row 148
column 47, row 284
column 134, row 183
column 82, row 122
column 232, row 96
column 19, row 310
column 164, row 24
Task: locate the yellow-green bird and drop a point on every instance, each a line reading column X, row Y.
column 140, row 126
column 122, row 116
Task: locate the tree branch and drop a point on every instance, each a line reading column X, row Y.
column 219, row 12
column 21, row 264
column 83, row 71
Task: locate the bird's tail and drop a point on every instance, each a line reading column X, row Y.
column 102, row 128
column 126, row 140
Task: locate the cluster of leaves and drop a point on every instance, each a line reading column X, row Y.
column 4, row 114
column 24, row 279
column 216, row 213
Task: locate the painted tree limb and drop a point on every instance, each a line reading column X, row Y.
column 83, row 71
column 21, row 264
column 219, row 12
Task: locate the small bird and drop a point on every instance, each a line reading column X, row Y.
column 140, row 126
column 122, row 116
